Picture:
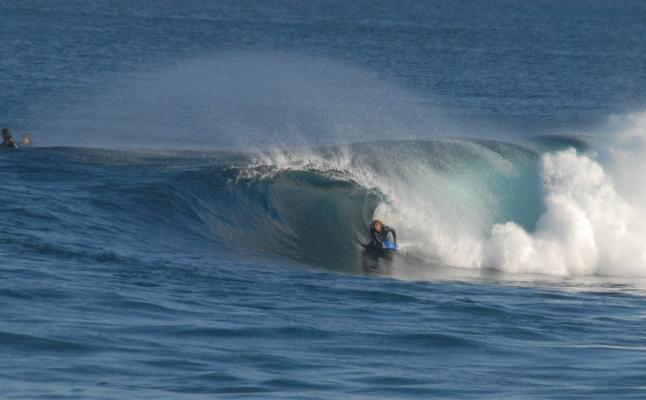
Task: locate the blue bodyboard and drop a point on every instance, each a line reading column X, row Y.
column 390, row 246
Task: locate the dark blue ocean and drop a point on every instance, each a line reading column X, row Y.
column 188, row 221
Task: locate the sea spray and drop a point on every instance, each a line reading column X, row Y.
column 244, row 100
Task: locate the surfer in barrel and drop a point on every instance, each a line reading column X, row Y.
column 8, row 140
column 379, row 234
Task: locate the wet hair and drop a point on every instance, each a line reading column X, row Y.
column 375, row 221
column 6, row 132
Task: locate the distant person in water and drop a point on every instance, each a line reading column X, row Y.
column 7, row 140
column 26, row 139
column 379, row 234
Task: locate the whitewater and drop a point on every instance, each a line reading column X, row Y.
column 190, row 219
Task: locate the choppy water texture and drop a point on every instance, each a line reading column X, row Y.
column 190, row 225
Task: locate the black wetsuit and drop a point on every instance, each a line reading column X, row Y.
column 9, row 143
column 378, row 238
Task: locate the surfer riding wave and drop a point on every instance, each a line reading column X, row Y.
column 379, row 234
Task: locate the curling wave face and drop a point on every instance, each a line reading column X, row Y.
column 549, row 205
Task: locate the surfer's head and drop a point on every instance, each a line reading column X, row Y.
column 377, row 224
column 6, row 133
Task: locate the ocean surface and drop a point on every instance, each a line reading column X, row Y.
column 188, row 223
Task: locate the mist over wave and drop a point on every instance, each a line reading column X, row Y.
column 242, row 100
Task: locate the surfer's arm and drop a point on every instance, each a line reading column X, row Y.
column 394, row 235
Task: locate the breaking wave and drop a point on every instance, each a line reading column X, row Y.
column 547, row 205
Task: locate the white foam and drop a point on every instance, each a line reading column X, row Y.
column 594, row 220
column 586, row 224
